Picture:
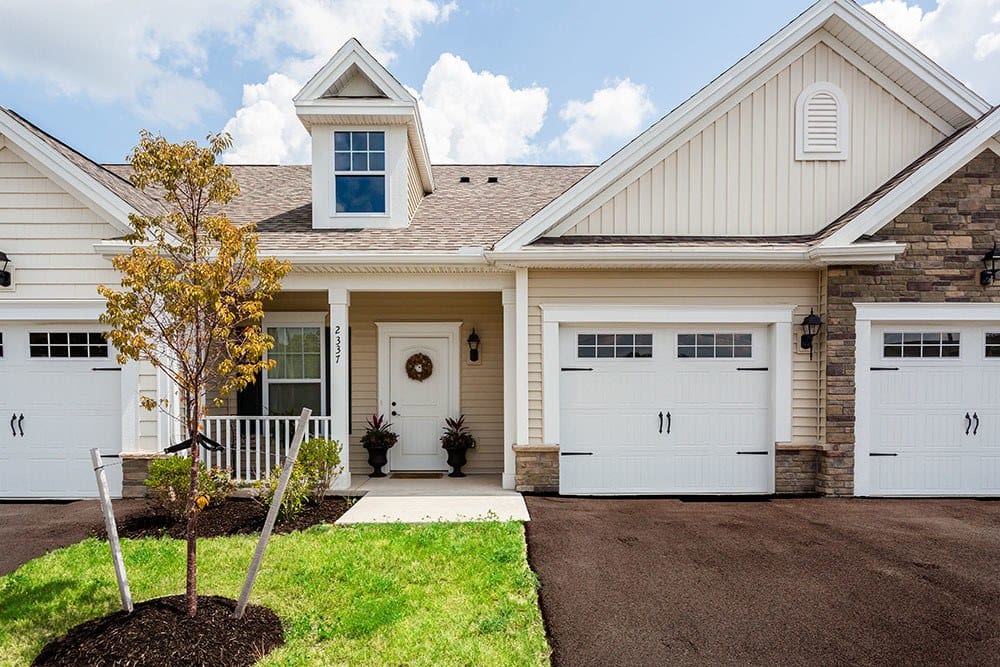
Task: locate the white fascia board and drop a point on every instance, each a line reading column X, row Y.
column 858, row 253
column 378, row 257
column 353, row 53
column 673, row 256
column 919, row 183
column 109, row 206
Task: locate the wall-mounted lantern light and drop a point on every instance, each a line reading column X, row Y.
column 989, row 272
column 4, row 273
column 810, row 328
column 473, row 341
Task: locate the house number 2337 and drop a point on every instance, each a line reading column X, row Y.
column 337, row 347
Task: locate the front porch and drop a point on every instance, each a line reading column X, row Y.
column 344, row 353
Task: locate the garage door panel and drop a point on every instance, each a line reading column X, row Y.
column 710, row 409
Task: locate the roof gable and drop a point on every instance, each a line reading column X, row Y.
column 912, row 73
column 347, row 64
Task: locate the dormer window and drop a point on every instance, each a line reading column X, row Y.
column 821, row 123
column 359, row 172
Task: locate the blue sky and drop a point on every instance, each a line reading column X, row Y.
column 499, row 81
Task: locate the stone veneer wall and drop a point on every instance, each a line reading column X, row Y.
column 135, row 470
column 946, row 234
column 795, row 469
column 536, row 468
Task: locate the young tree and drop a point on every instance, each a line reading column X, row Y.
column 192, row 291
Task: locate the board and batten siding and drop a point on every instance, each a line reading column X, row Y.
column 481, row 390
column 50, row 235
column 737, row 176
column 692, row 288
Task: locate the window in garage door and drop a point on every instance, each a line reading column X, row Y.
column 63, row 344
column 616, row 346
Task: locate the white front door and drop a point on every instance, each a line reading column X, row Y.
column 61, row 396
column 654, row 409
column 418, row 408
column 935, row 410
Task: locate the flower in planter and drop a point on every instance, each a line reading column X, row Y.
column 378, row 435
column 457, row 435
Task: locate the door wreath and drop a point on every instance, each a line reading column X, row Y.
column 419, row 367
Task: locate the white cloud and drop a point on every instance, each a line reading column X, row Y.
column 146, row 55
column 297, row 37
column 477, row 116
column 613, row 114
column 963, row 36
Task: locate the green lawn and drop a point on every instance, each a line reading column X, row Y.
column 394, row 594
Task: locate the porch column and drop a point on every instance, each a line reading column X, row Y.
column 509, row 385
column 521, row 359
column 340, row 359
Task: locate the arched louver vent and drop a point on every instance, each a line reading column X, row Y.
column 821, row 123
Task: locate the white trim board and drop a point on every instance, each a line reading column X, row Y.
column 726, row 84
column 450, row 330
column 865, row 315
column 51, row 309
column 778, row 316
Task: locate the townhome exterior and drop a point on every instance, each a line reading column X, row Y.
column 639, row 325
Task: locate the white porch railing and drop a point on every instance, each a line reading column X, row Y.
column 253, row 446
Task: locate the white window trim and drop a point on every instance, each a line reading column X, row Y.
column 305, row 319
column 334, row 213
column 778, row 317
column 930, row 314
column 802, row 153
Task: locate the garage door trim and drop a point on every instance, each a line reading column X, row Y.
column 777, row 316
column 893, row 313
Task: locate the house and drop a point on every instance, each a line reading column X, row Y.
column 648, row 326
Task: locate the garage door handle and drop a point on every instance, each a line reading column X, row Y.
column 20, row 422
column 883, row 454
column 976, row 428
column 576, row 453
column 763, row 453
column 661, row 421
column 13, row 418
column 968, row 423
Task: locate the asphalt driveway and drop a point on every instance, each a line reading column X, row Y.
column 785, row 582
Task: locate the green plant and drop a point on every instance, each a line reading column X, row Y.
column 169, row 482
column 320, row 460
column 296, row 493
column 457, row 435
column 378, row 434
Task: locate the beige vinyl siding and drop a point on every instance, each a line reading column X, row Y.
column 414, row 189
column 737, row 176
column 49, row 235
column 481, row 391
column 680, row 288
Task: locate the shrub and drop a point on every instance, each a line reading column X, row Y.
column 457, row 434
column 169, row 480
column 320, row 461
column 298, row 490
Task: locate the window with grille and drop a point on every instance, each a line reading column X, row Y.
column 67, row 345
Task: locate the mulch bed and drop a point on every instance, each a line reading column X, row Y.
column 159, row 632
column 233, row 516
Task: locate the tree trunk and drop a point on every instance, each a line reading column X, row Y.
column 192, row 522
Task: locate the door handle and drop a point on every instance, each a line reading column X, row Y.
column 20, row 422
column 661, row 421
column 13, row 418
column 975, row 429
column 395, row 414
column 968, row 423
column 668, row 423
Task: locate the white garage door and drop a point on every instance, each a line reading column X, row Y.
column 60, row 396
column 658, row 410
column 935, row 410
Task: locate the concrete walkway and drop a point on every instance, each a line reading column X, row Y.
column 472, row 498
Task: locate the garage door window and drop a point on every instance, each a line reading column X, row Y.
column 67, row 345
column 920, row 345
column 992, row 345
column 614, row 346
column 714, row 345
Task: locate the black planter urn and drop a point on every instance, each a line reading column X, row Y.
column 456, row 459
column 377, row 457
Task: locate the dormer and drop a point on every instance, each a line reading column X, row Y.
column 370, row 166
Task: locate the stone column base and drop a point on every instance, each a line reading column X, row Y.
column 536, row 468
column 836, row 474
column 135, row 470
column 795, row 468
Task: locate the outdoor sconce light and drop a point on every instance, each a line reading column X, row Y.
column 4, row 273
column 810, row 327
column 989, row 272
column 473, row 341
